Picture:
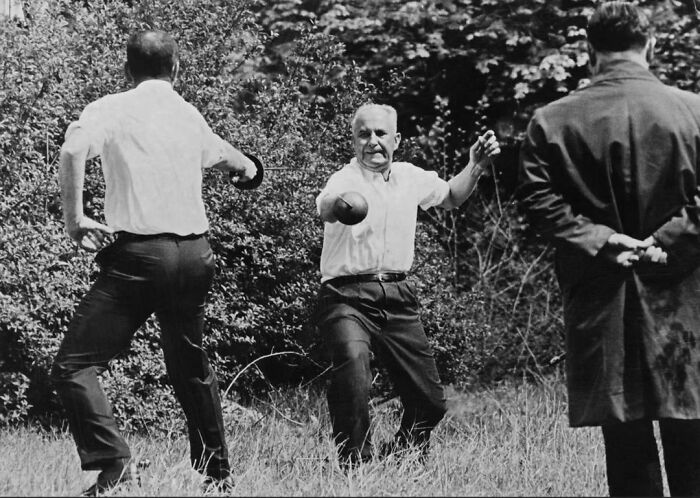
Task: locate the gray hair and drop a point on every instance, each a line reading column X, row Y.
column 370, row 107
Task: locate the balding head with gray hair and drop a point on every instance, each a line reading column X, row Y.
column 389, row 110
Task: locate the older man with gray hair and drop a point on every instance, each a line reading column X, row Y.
column 366, row 304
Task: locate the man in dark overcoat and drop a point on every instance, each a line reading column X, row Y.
column 609, row 175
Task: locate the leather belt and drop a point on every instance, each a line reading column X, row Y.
column 128, row 236
column 366, row 277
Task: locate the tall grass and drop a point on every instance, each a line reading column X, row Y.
column 511, row 439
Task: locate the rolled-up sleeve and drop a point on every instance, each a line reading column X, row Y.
column 431, row 190
column 93, row 124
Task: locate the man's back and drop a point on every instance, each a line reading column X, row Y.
column 153, row 146
column 624, row 151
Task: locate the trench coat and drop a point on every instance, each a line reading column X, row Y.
column 621, row 155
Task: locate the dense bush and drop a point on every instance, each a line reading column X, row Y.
column 491, row 61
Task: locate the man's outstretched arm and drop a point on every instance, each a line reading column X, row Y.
column 236, row 163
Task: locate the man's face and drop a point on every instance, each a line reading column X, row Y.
column 375, row 139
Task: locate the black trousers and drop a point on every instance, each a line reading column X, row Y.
column 140, row 275
column 355, row 319
column 632, row 459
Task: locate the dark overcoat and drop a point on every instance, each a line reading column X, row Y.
column 622, row 155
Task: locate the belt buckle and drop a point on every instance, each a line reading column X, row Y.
column 384, row 277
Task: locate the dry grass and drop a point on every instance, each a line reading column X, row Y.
column 508, row 440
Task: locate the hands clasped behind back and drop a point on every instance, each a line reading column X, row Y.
column 627, row 251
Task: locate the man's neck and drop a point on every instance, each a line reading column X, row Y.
column 604, row 59
column 386, row 172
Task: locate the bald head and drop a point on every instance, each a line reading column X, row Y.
column 151, row 54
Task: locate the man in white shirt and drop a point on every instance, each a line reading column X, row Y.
column 154, row 256
column 365, row 302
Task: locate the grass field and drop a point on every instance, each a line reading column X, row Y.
column 509, row 440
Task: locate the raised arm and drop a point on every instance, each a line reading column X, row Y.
column 325, row 208
column 463, row 184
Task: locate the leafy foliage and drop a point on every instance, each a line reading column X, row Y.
column 491, row 61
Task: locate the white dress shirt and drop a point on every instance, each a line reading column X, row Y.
column 384, row 240
column 153, row 145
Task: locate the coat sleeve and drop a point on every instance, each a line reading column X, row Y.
column 547, row 210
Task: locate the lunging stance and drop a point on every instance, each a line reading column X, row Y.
column 366, row 304
column 154, row 256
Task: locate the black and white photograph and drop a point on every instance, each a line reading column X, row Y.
column 349, row 248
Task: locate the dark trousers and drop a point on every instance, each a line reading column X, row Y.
column 633, row 463
column 359, row 318
column 171, row 277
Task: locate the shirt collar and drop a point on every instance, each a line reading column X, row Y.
column 155, row 83
column 623, row 69
column 368, row 173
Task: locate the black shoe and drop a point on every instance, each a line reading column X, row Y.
column 122, row 471
column 214, row 485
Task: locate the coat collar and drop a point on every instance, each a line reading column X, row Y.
column 623, row 69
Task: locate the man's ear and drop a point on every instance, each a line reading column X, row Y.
column 397, row 137
column 592, row 57
column 175, row 72
column 127, row 73
column 650, row 47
